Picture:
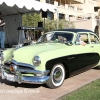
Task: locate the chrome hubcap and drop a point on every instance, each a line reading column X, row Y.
column 57, row 75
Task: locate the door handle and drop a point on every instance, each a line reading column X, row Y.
column 92, row 47
column 71, row 58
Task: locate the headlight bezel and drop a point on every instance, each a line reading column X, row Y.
column 36, row 61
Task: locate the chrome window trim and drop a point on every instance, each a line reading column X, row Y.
column 22, row 64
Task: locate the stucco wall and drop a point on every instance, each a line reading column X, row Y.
column 85, row 24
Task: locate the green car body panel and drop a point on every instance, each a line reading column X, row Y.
column 8, row 54
column 35, row 50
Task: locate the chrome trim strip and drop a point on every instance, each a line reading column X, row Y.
column 27, row 79
column 22, row 64
column 33, row 71
column 30, row 71
column 14, row 61
column 35, row 80
column 7, row 67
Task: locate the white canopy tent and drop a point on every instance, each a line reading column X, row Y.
column 10, row 7
column 12, row 11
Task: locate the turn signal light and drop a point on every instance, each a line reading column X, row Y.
column 11, row 68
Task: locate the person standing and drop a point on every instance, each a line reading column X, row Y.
column 2, row 33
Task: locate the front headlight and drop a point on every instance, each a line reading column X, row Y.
column 36, row 61
column 1, row 56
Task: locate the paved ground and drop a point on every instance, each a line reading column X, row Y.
column 14, row 91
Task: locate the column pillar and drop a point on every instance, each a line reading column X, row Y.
column 55, row 14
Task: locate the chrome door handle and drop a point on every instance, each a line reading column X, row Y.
column 71, row 58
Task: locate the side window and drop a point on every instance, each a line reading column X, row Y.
column 63, row 36
column 46, row 37
column 94, row 39
column 82, row 37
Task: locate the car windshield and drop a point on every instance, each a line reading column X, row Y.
column 56, row 37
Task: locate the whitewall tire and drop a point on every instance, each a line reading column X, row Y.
column 57, row 76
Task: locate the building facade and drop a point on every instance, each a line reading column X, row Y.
column 82, row 12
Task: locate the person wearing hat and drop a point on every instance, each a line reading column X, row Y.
column 2, row 33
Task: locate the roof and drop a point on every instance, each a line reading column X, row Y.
column 11, row 7
column 75, row 30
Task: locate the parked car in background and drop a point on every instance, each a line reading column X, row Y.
column 56, row 55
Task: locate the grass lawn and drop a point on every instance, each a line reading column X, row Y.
column 88, row 92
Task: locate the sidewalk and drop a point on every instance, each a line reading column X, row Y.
column 73, row 83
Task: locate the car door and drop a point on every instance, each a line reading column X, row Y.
column 84, row 54
column 95, row 43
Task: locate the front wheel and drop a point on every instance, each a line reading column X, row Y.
column 57, row 76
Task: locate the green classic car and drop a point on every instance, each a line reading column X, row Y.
column 55, row 56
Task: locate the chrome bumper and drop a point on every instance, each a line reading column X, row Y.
column 40, row 77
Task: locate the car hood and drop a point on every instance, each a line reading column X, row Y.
column 26, row 54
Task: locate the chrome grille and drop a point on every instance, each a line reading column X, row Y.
column 7, row 64
column 25, row 67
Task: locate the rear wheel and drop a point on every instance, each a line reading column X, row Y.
column 57, row 76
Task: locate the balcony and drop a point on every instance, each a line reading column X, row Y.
column 77, row 1
column 70, row 7
column 71, row 10
column 70, row 1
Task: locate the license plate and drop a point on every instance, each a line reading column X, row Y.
column 8, row 76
